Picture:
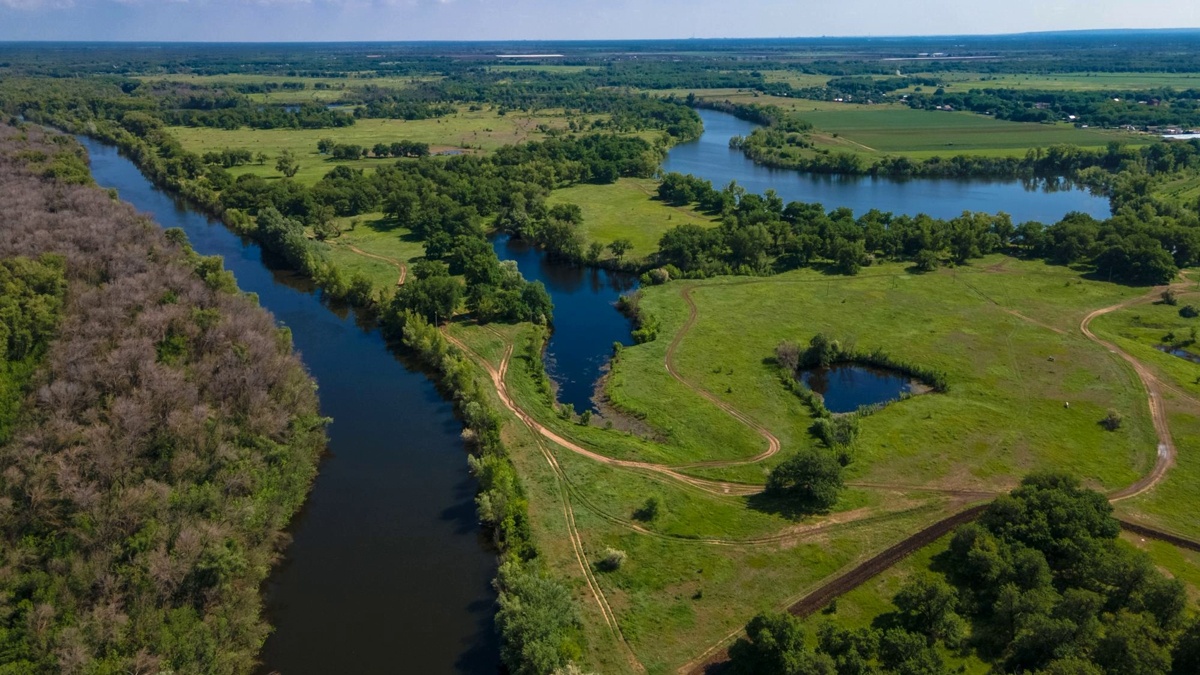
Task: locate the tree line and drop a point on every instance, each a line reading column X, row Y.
column 1163, row 106
column 1146, row 241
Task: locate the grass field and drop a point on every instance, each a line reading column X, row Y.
column 708, row 563
column 480, row 130
column 896, row 129
column 627, row 210
column 1003, row 416
column 677, row 594
column 1072, row 81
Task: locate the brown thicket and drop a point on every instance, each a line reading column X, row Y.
column 166, row 440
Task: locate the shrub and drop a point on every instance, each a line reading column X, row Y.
column 649, row 511
column 1189, row 312
column 1112, row 421
column 1169, row 297
column 612, row 560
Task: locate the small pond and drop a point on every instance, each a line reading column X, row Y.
column 1181, row 353
column 846, row 387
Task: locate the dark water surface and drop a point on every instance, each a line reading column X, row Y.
column 711, row 158
column 846, row 387
column 386, row 573
column 1181, row 353
column 586, row 322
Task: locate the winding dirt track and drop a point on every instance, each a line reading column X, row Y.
column 394, row 263
column 498, row 381
column 1166, row 446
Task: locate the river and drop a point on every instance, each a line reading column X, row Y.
column 386, row 572
column 711, row 158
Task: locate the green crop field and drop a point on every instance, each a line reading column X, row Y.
column 626, row 210
column 895, row 129
column 1071, row 81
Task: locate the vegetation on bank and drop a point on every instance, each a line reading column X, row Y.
column 163, row 442
column 537, row 619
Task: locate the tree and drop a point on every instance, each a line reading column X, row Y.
column 775, row 645
column 261, row 158
column 434, row 298
column 620, row 247
column 811, row 477
column 926, row 261
column 906, row 653
column 927, row 605
column 286, row 164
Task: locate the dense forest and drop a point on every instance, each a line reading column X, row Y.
column 1041, row 584
column 163, row 435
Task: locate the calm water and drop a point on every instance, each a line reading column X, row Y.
column 386, row 572
column 846, row 387
column 586, row 323
column 711, row 158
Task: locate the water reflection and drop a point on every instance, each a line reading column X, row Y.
column 846, row 387
column 586, row 321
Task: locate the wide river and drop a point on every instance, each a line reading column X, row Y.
column 386, row 572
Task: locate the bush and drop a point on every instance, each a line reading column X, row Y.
column 649, row 511
column 1112, row 421
column 612, row 560
column 1189, row 312
column 1169, row 297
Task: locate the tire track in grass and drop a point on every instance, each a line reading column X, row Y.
column 773, row 444
column 391, row 261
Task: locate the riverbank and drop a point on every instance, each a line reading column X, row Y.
column 391, row 521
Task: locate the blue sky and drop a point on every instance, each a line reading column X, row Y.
column 305, row 20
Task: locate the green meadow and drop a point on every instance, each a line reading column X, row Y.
column 627, row 210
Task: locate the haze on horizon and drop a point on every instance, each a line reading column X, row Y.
column 401, row 20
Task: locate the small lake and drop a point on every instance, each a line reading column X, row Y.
column 386, row 571
column 711, row 158
column 586, row 321
column 846, row 387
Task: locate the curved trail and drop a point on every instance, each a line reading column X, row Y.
column 501, row 386
column 1158, row 414
column 394, row 263
column 773, row 444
